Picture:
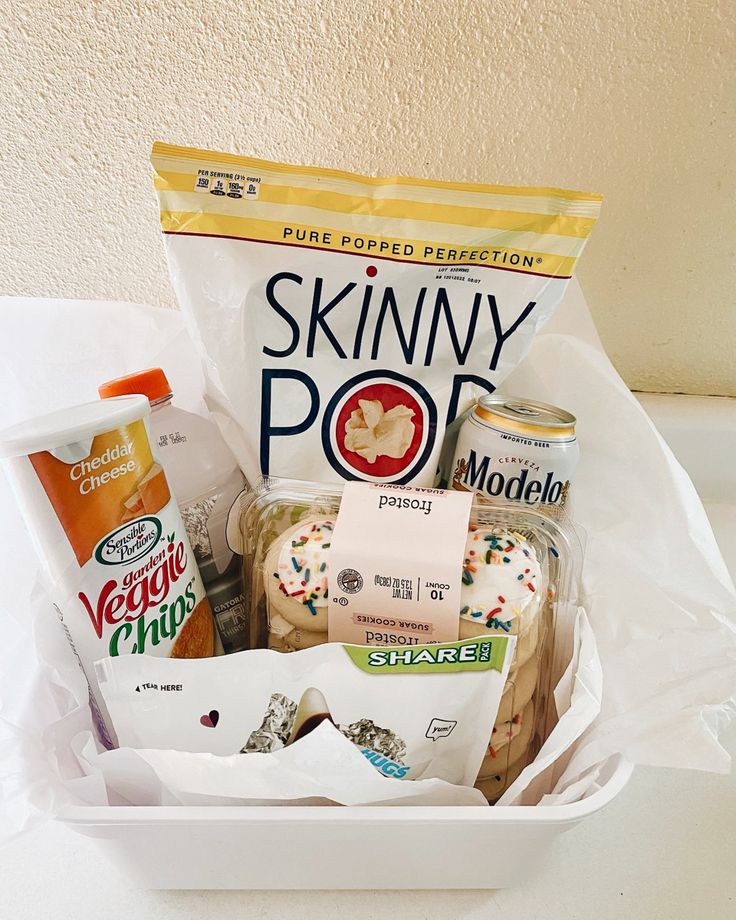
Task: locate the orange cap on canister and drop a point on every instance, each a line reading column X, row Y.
column 151, row 383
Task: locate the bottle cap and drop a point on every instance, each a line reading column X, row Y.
column 151, row 383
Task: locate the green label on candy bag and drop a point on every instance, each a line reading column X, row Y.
column 481, row 653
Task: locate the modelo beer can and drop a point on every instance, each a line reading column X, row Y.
column 516, row 450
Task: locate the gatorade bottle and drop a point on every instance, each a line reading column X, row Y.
column 207, row 483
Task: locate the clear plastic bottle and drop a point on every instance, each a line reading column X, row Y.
column 207, row 482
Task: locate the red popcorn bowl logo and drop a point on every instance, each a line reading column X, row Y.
column 379, row 427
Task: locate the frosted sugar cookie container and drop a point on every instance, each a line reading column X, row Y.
column 517, row 575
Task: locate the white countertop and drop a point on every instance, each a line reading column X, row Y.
column 665, row 848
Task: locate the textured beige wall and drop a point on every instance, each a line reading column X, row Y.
column 630, row 98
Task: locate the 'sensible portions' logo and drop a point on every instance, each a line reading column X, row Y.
column 130, row 542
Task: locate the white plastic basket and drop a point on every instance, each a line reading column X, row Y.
column 332, row 847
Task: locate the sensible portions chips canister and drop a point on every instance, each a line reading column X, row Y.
column 109, row 535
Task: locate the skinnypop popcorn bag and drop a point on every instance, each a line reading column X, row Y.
column 345, row 321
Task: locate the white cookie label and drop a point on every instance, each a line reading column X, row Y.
column 396, row 557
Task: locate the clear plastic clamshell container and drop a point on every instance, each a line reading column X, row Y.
column 521, row 569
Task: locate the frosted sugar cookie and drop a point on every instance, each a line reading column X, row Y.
column 501, row 587
column 526, row 645
column 501, row 583
column 296, row 572
column 519, row 689
column 509, row 742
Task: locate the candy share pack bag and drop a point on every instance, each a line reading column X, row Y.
column 406, row 725
column 343, row 320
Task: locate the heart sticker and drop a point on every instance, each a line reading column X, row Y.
column 211, row 719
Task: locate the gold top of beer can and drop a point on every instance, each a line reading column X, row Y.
column 527, row 415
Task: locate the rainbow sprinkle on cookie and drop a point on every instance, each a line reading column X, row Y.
column 500, row 578
column 505, row 735
column 302, row 566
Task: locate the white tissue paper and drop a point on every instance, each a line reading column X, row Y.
column 323, row 768
column 653, row 653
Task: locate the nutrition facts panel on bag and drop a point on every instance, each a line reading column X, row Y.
column 229, row 184
column 396, row 559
